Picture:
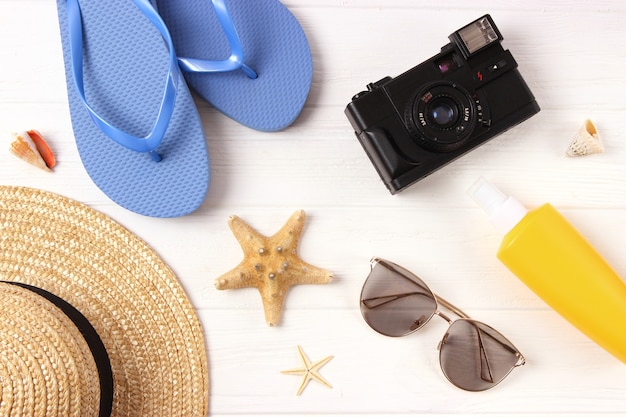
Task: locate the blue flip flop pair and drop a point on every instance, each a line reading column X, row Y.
column 127, row 65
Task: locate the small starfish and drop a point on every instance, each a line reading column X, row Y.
column 309, row 371
column 271, row 264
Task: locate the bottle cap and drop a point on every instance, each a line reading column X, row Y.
column 504, row 211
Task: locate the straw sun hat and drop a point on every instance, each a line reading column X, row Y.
column 92, row 321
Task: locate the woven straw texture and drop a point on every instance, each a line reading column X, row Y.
column 130, row 296
column 47, row 367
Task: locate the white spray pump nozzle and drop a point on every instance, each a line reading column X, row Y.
column 504, row 211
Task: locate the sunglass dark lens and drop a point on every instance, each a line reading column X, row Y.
column 395, row 302
column 476, row 357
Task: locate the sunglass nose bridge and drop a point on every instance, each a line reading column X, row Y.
column 443, row 316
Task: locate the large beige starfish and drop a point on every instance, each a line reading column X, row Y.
column 271, row 264
column 309, row 371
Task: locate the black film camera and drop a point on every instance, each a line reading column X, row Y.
column 432, row 114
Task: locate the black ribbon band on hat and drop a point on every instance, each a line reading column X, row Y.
column 93, row 341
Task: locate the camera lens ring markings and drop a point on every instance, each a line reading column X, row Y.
column 441, row 132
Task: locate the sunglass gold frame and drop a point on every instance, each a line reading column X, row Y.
column 486, row 374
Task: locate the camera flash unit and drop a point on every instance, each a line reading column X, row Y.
column 475, row 36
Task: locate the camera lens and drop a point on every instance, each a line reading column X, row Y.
column 441, row 116
column 442, row 112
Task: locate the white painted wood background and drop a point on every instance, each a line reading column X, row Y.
column 573, row 56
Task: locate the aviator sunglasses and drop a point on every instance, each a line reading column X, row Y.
column 473, row 356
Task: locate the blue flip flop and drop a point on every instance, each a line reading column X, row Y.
column 250, row 59
column 136, row 127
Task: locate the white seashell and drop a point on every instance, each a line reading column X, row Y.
column 586, row 142
column 24, row 148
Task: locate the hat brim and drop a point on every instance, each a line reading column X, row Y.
column 132, row 299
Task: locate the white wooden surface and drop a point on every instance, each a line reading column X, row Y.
column 572, row 54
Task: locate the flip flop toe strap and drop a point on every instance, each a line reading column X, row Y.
column 236, row 59
column 139, row 144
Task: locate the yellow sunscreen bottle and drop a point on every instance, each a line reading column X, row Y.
column 555, row 261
